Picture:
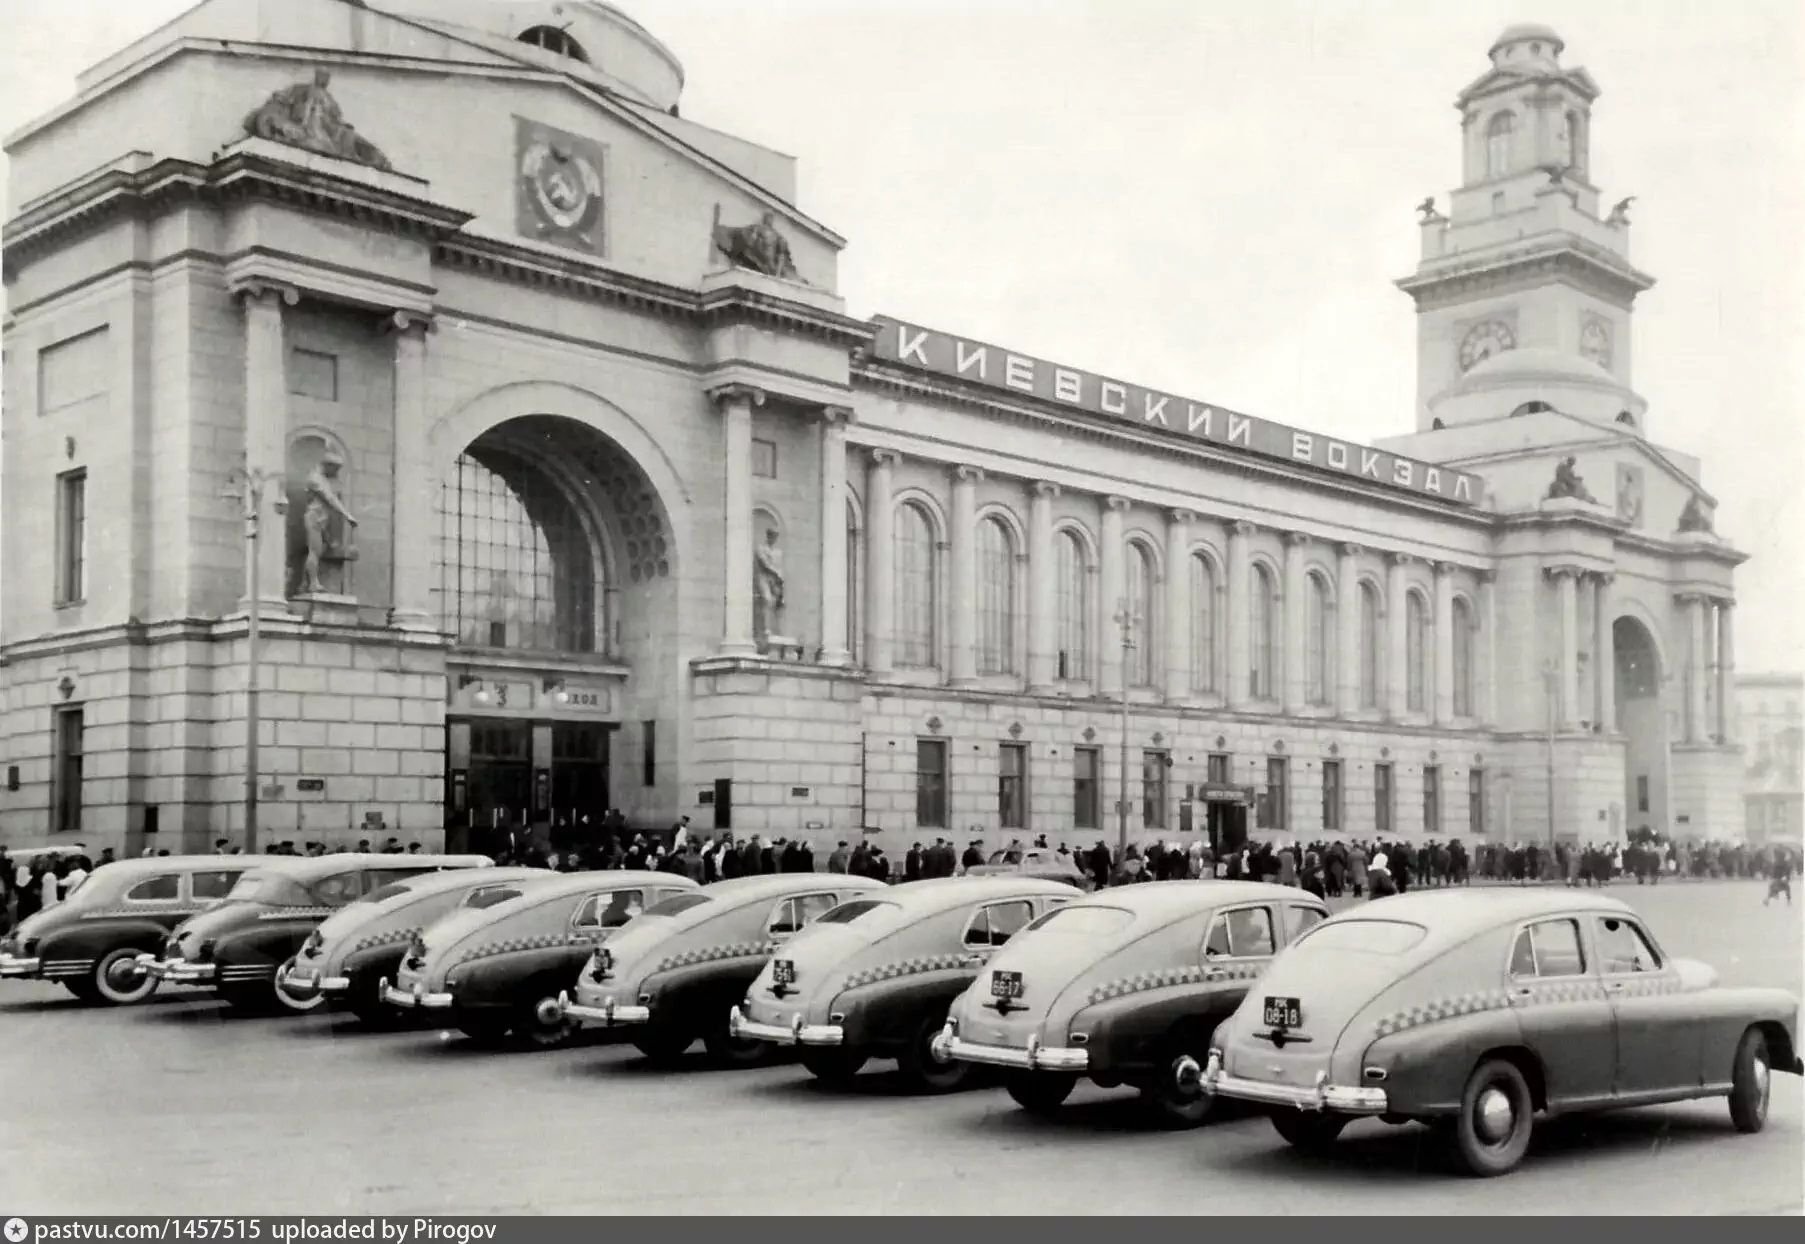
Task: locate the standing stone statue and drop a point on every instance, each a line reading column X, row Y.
column 323, row 505
column 767, row 587
column 1567, row 483
column 756, row 246
column 306, row 116
column 1695, row 517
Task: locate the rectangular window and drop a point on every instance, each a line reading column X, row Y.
column 1153, row 789
column 1218, row 768
column 1642, row 793
column 1012, row 785
column 71, row 537
column 1084, row 788
column 65, row 770
column 1382, row 798
column 764, row 459
column 1331, row 794
column 1275, row 799
column 1476, row 801
column 1431, row 799
column 930, row 783
column 648, row 754
column 313, row 373
column 70, row 372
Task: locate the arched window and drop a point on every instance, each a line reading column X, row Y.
column 917, row 588
column 1372, row 639
column 1416, row 653
column 1203, row 625
column 554, row 40
column 1141, row 602
column 1262, row 633
column 1463, row 658
column 1320, row 658
column 1074, row 608
column 996, row 598
column 1500, row 134
column 855, row 584
column 1576, row 142
column 520, row 569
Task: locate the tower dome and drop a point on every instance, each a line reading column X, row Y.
column 1527, row 46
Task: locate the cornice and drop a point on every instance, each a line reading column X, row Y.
column 737, row 304
column 1561, row 255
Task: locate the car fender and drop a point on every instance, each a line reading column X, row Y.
column 699, row 993
column 887, row 1012
column 1427, row 1067
column 93, row 939
column 371, row 965
column 1129, row 1033
column 521, row 976
column 271, row 941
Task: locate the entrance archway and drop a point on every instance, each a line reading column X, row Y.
column 1642, row 720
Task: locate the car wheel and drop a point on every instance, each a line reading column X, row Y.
column 1312, row 1133
column 543, row 1026
column 926, row 1069
column 294, row 1004
column 118, row 980
column 831, row 1066
column 1750, row 1083
column 1497, row 1114
column 663, row 1047
column 1171, row 1103
column 1039, row 1092
column 732, row 1051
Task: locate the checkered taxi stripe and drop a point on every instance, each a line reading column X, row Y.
column 909, row 967
column 1556, row 993
column 295, row 913
column 514, row 945
column 149, row 909
column 712, row 954
column 395, row 937
column 1141, row 982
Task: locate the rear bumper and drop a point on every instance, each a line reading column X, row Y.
column 334, row 986
column 1318, row 1097
column 413, row 998
column 14, row 968
column 608, row 1015
column 1033, row 1057
column 305, row 986
column 178, row 971
column 795, row 1033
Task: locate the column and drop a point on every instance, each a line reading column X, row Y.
column 880, row 562
column 1043, row 609
column 415, row 480
column 1604, row 656
column 1566, row 586
column 266, row 433
column 736, row 403
column 1178, row 605
column 1237, row 685
column 1295, row 693
column 1110, row 673
column 1444, row 643
column 1485, row 651
column 833, row 536
column 964, row 603
column 1347, row 625
column 1695, row 667
column 1397, row 656
column 1726, row 671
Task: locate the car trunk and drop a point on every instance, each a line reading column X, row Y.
column 1042, row 967
column 1330, row 988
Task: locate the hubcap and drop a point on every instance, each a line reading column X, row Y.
column 1493, row 1115
column 1761, row 1074
column 1187, row 1077
column 122, row 976
column 548, row 1013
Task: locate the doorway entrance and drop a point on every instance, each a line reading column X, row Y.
column 1642, row 719
column 514, row 784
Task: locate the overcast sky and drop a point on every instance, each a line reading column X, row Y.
column 1214, row 198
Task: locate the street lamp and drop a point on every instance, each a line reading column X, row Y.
column 1127, row 619
column 246, row 486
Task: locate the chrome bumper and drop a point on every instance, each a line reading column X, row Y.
column 335, row 984
column 178, row 971
column 794, row 1033
column 1317, row 1097
column 15, row 968
column 299, row 986
column 609, row 1015
column 1035, row 1057
column 416, row 997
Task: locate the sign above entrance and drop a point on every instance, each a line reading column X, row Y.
column 510, row 695
column 975, row 362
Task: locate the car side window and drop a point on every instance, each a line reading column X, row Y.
column 1008, row 919
column 616, row 907
column 1250, row 932
column 1548, row 948
column 155, row 889
column 977, row 933
column 212, row 884
column 1216, row 944
column 339, row 890
column 1622, row 947
column 811, row 906
column 1298, row 920
column 784, row 919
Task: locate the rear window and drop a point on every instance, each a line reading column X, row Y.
column 676, row 903
column 154, row 889
column 846, row 913
column 272, row 888
column 1085, row 921
column 489, row 895
column 1373, row 937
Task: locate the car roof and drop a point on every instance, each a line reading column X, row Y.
column 452, row 878
column 778, row 885
column 942, row 893
column 312, row 868
column 556, row 885
column 1453, row 913
column 163, row 863
column 1166, row 900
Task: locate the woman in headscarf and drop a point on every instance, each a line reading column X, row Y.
column 1378, row 877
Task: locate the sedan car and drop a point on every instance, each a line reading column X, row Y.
column 242, row 946
column 1119, row 986
column 91, row 941
column 873, row 977
column 673, row 973
column 1475, row 1011
column 501, row 970
column 346, row 959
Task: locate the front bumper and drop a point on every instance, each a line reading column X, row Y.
column 178, row 971
column 1034, row 1057
column 412, row 998
column 794, row 1033
column 302, row 983
column 608, row 1015
column 1318, row 1097
column 14, row 968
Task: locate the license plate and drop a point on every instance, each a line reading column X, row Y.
column 1284, row 1013
column 1005, row 984
column 783, row 972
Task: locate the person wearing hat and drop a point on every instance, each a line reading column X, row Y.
column 1378, row 877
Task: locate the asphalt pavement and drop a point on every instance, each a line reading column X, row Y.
column 181, row 1107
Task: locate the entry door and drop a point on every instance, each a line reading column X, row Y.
column 501, row 774
column 1562, row 1010
column 579, row 773
column 1659, row 1040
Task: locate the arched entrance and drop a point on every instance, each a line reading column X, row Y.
column 555, row 566
column 1642, row 720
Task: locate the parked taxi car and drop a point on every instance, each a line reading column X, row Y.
column 500, row 970
column 671, row 975
column 873, row 977
column 239, row 947
column 91, row 941
column 346, row 959
column 1119, row 986
column 1474, row 1011
column 1051, row 869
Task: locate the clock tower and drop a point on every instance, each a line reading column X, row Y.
column 1525, row 287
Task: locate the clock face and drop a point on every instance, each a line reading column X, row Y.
column 1595, row 342
column 1485, row 340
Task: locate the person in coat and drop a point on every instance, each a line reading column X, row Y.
column 1287, row 866
column 1356, row 868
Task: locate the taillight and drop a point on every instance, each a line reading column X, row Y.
column 313, row 945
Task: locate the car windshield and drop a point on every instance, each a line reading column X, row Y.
column 1373, row 937
column 1084, row 921
column 676, row 903
column 273, row 888
column 846, row 913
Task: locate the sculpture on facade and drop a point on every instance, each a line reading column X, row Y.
column 767, row 588
column 318, row 521
column 1695, row 517
column 757, row 246
column 1427, row 211
column 1620, row 214
column 1567, row 483
column 306, row 116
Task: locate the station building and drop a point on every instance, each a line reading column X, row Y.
column 579, row 487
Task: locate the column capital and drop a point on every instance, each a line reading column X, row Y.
column 728, row 394
column 1604, row 578
column 1118, row 504
column 1046, row 488
column 1242, row 527
column 1691, row 598
column 1182, row 517
column 400, row 323
column 837, row 416
column 1485, row 575
column 1441, row 569
column 885, row 458
column 1558, row 573
column 968, row 474
column 1297, row 539
column 1400, row 559
column 1725, row 603
column 259, row 289
column 1350, row 549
